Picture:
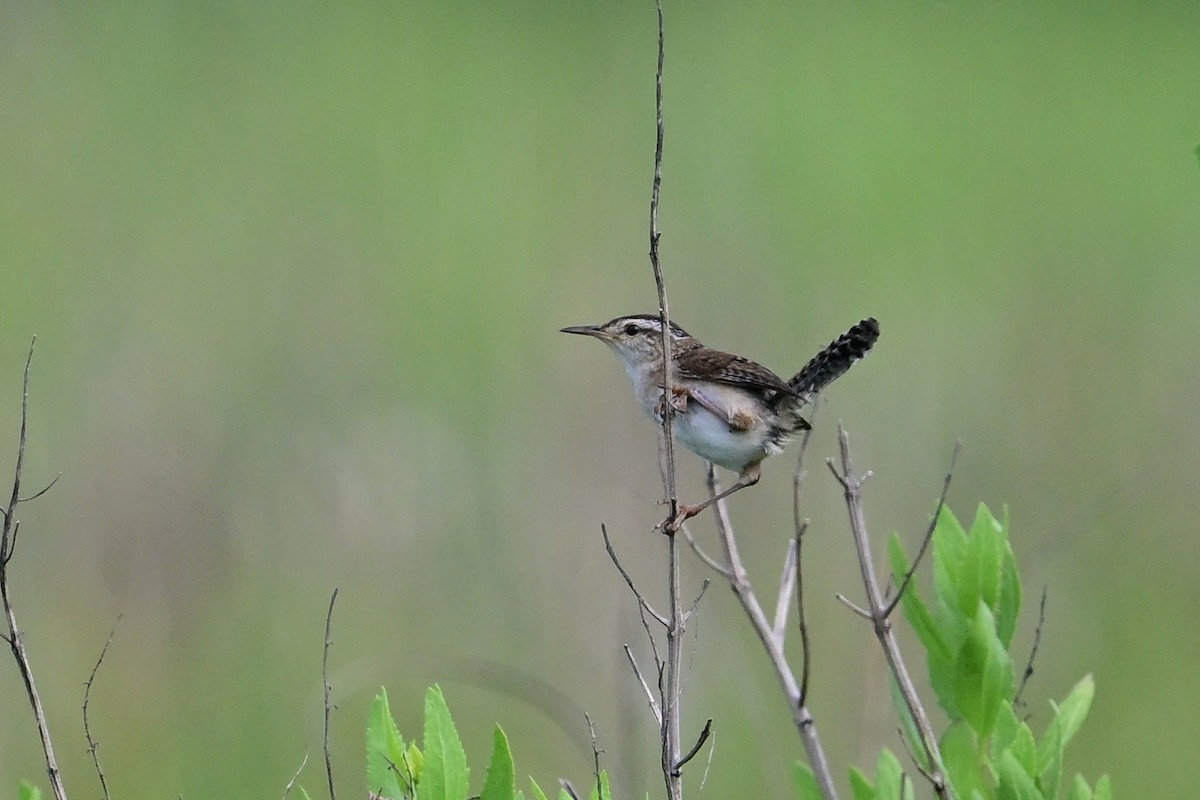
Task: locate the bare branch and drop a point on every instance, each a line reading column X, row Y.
column 891, row 606
column 328, row 689
column 852, row 487
column 8, row 542
column 38, row 494
column 848, row 603
column 802, row 621
column 690, row 754
column 612, row 554
column 787, row 587
column 288, row 789
column 670, row 683
column 637, row 672
column 93, row 745
column 708, row 560
column 595, row 756
column 772, row 642
column 1037, row 642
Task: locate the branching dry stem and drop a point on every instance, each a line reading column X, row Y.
column 14, row 640
column 877, row 612
column 93, row 745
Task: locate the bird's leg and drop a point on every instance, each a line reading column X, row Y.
column 749, row 477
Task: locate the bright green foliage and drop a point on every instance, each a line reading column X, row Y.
column 439, row 771
column 807, row 787
column 444, row 773
column 29, row 792
column 987, row 752
column 890, row 781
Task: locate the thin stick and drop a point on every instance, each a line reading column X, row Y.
column 8, row 536
column 328, row 690
column 595, row 756
column 1037, row 642
column 772, row 642
column 671, row 688
column 637, row 672
column 891, row 606
column 690, row 754
column 876, row 611
column 93, row 745
column 641, row 598
column 288, row 789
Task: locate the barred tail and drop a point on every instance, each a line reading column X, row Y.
column 829, row 364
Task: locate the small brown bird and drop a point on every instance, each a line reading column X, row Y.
column 728, row 409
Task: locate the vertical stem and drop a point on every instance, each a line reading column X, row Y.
column 8, row 535
column 669, row 683
column 877, row 609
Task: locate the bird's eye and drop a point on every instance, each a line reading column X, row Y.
column 632, row 330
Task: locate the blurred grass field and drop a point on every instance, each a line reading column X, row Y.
column 296, row 272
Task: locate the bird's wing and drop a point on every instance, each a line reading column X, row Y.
column 714, row 365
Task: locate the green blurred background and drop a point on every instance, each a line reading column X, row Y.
column 296, row 272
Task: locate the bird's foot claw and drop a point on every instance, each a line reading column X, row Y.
column 683, row 513
column 677, row 398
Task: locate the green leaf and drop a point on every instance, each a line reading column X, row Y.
column 1080, row 789
column 1075, row 707
column 984, row 674
column 1008, row 605
column 385, row 747
column 889, row 776
column 987, row 543
column 1024, row 748
column 538, row 794
column 1103, row 789
column 860, row 785
column 961, row 758
column 1067, row 719
column 1005, row 729
column 444, row 774
column 1013, row 783
column 28, row 791
column 807, row 787
column 950, row 570
column 303, row 794
column 500, row 783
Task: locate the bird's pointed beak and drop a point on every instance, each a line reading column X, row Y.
column 585, row 330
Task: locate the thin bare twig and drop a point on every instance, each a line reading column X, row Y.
column 328, row 690
column 891, row 606
column 848, row 603
column 41, row 492
column 1037, row 642
column 8, row 541
column 913, row 756
column 641, row 598
column 93, row 745
column 595, row 756
column 802, row 622
column 637, row 672
column 876, row 610
column 772, row 642
column 787, row 586
column 690, row 754
column 708, row 560
column 295, row 776
column 670, row 685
